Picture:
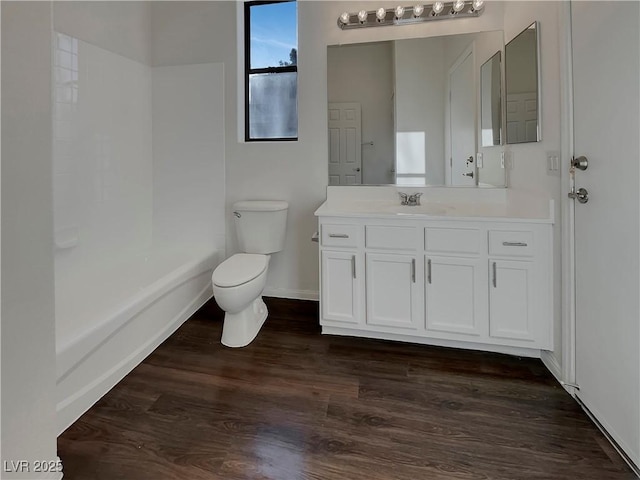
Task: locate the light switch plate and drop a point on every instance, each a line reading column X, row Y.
column 553, row 163
column 479, row 160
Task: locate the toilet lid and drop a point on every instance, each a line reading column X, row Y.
column 238, row 269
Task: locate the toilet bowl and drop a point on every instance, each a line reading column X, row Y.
column 238, row 283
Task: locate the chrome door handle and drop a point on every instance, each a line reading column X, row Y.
column 514, row 244
column 495, row 275
column 468, row 174
column 581, row 163
column 353, row 265
column 356, row 169
column 338, row 235
column 582, row 195
column 413, row 270
column 429, row 271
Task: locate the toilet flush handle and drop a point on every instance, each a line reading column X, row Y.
column 237, row 214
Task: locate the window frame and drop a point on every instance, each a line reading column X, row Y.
column 249, row 71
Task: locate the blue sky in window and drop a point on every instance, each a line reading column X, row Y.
column 273, row 33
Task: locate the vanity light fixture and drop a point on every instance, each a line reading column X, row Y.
column 402, row 15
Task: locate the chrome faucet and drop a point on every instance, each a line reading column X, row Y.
column 410, row 200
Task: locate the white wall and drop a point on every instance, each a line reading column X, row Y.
column 28, row 355
column 199, row 32
column 188, row 156
column 529, row 169
column 123, row 28
column 364, row 74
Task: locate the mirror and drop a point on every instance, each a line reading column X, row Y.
column 490, row 104
column 522, row 80
column 408, row 112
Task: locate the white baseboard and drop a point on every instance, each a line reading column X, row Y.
column 73, row 406
column 551, row 362
column 289, row 293
column 517, row 351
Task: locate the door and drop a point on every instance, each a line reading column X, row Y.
column 342, row 287
column 392, row 290
column 606, row 101
column 454, row 295
column 462, row 115
column 345, row 144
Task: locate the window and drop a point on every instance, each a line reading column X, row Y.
column 271, row 70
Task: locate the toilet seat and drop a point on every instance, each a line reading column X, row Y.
column 239, row 269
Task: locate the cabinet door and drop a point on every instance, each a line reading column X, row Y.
column 511, row 300
column 341, row 287
column 392, row 290
column 455, row 295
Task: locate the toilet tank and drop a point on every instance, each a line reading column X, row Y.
column 260, row 225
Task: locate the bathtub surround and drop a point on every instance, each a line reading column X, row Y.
column 138, row 209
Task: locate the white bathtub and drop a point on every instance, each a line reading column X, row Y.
column 111, row 316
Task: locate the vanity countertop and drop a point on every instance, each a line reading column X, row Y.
column 438, row 204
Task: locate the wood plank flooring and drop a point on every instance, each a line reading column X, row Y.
column 299, row 405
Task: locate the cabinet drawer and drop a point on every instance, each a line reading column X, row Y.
column 340, row 235
column 390, row 238
column 452, row 240
column 512, row 244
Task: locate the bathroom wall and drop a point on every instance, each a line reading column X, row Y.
column 199, row 32
column 188, row 157
column 529, row 160
column 28, row 353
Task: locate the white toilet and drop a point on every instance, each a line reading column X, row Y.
column 239, row 280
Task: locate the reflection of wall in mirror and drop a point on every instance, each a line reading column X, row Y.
column 420, row 103
column 522, row 87
column 363, row 73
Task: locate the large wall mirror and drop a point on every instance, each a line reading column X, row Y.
column 522, row 79
column 409, row 111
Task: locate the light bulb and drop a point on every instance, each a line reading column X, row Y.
column 477, row 5
column 381, row 13
column 399, row 11
column 344, row 18
column 458, row 5
column 437, row 8
column 362, row 16
column 417, row 10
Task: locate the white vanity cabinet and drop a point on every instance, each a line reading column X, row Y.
column 343, row 274
column 484, row 284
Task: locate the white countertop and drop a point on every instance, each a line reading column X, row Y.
column 438, row 204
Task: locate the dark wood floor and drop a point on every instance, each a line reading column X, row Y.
column 298, row 405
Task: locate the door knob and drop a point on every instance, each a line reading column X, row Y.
column 581, row 163
column 356, row 169
column 582, row 195
column 468, row 174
